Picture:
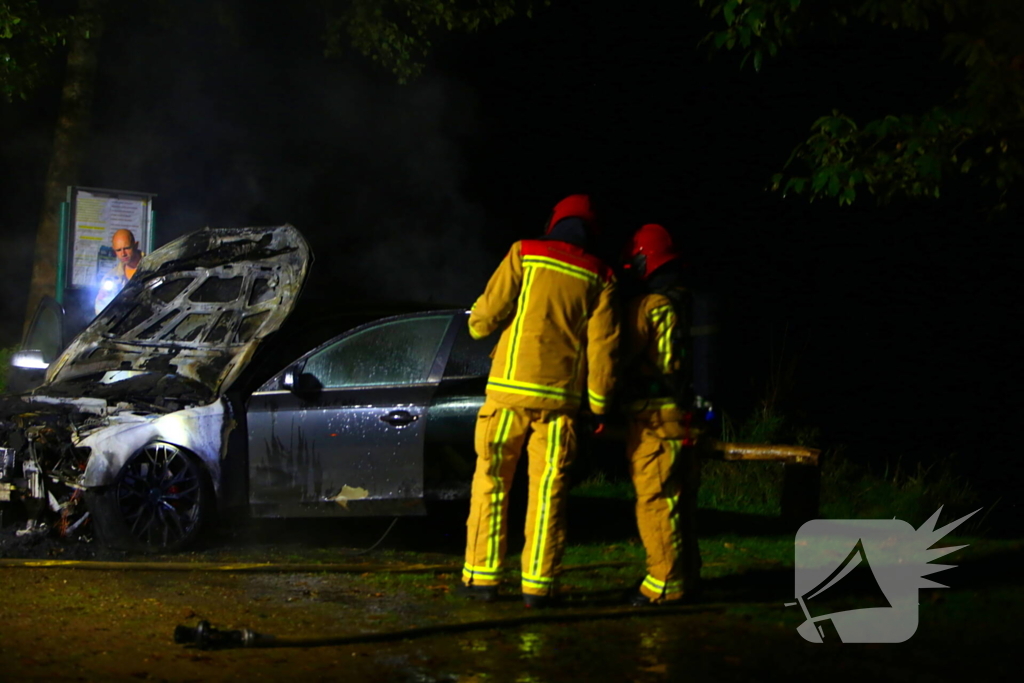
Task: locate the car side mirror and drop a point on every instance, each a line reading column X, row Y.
column 29, row 359
column 298, row 382
column 290, row 380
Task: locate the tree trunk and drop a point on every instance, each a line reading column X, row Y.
column 68, row 140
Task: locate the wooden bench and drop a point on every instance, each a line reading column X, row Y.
column 801, row 481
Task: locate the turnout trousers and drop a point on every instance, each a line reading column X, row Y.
column 665, row 469
column 550, row 441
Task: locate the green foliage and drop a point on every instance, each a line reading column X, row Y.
column 600, row 485
column 397, row 34
column 29, row 35
column 5, row 362
column 753, row 488
column 849, row 491
column 980, row 131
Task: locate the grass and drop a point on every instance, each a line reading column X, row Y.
column 848, row 490
column 601, row 485
column 722, row 556
column 746, row 487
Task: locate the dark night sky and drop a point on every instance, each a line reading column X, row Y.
column 898, row 317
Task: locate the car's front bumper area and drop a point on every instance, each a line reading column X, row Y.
column 41, row 464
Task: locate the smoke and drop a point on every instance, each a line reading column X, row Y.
column 372, row 173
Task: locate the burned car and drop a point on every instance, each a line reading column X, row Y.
column 139, row 432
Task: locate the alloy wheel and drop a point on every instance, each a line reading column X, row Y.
column 160, row 496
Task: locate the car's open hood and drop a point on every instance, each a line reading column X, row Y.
column 196, row 308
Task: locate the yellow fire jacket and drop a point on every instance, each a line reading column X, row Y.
column 560, row 333
column 650, row 320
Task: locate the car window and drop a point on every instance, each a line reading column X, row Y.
column 398, row 352
column 469, row 357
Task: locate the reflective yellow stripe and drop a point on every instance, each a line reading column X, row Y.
column 476, row 574
column 578, row 362
column 487, row 571
column 596, row 399
column 673, row 449
column 662, row 587
column 493, row 540
column 530, row 389
column 543, row 521
column 538, row 581
column 673, row 501
column 561, row 267
column 511, row 357
column 654, row 584
column 663, row 319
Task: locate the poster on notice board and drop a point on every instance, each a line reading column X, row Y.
column 95, row 216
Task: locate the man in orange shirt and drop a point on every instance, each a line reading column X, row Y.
column 128, row 256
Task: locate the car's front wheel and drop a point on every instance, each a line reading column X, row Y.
column 161, row 501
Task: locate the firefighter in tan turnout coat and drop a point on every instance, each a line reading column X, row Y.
column 554, row 305
column 660, row 438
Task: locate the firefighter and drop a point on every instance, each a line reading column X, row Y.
column 553, row 302
column 126, row 249
column 660, row 435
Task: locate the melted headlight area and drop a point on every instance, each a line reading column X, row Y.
column 41, row 467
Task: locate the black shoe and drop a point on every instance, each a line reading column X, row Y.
column 481, row 593
column 538, row 601
column 641, row 600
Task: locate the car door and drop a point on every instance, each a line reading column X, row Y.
column 451, row 420
column 43, row 342
column 341, row 431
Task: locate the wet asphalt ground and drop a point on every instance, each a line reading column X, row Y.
column 64, row 623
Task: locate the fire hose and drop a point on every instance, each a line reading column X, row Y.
column 262, row 567
column 206, row 637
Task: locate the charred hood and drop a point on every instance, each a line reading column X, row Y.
column 195, row 310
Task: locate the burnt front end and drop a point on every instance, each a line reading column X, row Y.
column 41, row 467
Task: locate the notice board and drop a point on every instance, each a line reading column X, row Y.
column 95, row 216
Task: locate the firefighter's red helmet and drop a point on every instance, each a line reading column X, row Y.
column 573, row 206
column 651, row 248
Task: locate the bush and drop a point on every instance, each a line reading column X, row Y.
column 849, row 491
column 5, row 362
column 749, row 487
